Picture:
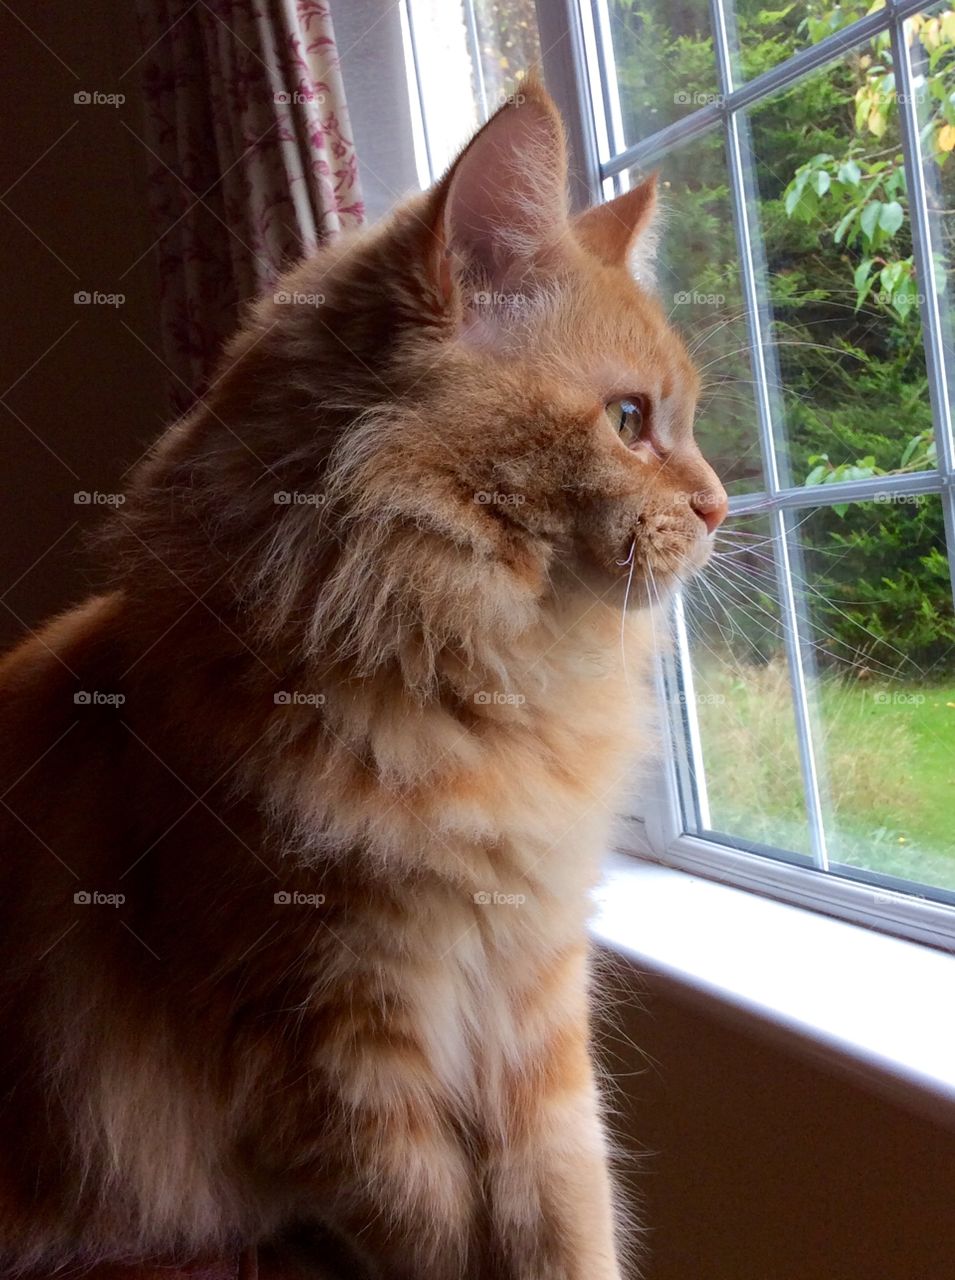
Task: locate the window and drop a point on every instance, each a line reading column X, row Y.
column 807, row 162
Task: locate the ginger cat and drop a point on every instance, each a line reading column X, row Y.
column 299, row 821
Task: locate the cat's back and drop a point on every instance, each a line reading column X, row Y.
column 60, row 696
column 38, row 672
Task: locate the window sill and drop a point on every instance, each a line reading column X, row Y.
column 869, row 1005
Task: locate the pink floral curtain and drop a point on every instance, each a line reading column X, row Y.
column 253, row 162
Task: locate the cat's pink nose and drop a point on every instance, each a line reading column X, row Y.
column 711, row 508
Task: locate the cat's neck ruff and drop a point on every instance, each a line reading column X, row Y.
column 506, row 775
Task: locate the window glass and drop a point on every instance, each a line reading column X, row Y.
column 741, row 696
column 663, row 56
column 766, row 35
column 845, row 336
column 698, row 281
column 878, row 602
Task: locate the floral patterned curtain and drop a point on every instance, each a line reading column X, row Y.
column 253, row 163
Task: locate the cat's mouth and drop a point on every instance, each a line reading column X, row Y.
column 660, row 554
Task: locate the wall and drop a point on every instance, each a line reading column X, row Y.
column 750, row 1162
column 82, row 391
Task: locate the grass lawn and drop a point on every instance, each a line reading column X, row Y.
column 886, row 753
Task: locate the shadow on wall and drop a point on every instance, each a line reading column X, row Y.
column 83, row 390
column 755, row 1164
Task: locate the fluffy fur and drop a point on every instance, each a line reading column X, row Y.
column 350, row 733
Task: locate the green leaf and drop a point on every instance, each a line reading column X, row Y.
column 860, row 279
column 891, row 217
column 870, row 218
column 903, row 300
column 807, row 207
column 909, row 450
column 794, row 191
column 850, row 173
column 891, row 276
column 844, row 225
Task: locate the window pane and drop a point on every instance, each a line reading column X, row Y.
column 465, row 69
column 769, row 34
column 877, row 634
column 507, row 43
column 741, row 694
column 664, row 59
column 878, row 602
column 845, row 332
column 931, row 40
column 699, row 286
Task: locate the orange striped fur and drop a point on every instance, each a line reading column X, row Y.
column 300, row 818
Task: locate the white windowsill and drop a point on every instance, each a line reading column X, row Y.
column 868, row 1004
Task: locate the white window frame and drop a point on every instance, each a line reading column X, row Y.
column 574, row 36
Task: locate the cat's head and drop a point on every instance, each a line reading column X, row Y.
column 542, row 401
column 489, row 408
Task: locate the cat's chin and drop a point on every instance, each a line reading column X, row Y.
column 698, row 556
column 654, row 585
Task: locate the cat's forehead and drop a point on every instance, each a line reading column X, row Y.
column 628, row 346
column 625, row 331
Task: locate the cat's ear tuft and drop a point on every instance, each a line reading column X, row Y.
column 621, row 231
column 504, row 200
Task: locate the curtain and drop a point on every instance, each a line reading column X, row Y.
column 251, row 160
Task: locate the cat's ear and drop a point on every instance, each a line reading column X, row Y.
column 621, row 232
column 504, row 200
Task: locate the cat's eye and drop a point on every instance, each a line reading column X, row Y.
column 630, row 418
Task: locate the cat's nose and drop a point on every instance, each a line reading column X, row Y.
column 711, row 508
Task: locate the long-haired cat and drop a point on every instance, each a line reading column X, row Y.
column 299, row 820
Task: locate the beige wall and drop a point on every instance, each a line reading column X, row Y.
column 759, row 1164
column 94, row 396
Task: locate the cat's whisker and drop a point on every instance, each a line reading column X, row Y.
column 738, row 582
column 631, row 560
column 777, row 343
